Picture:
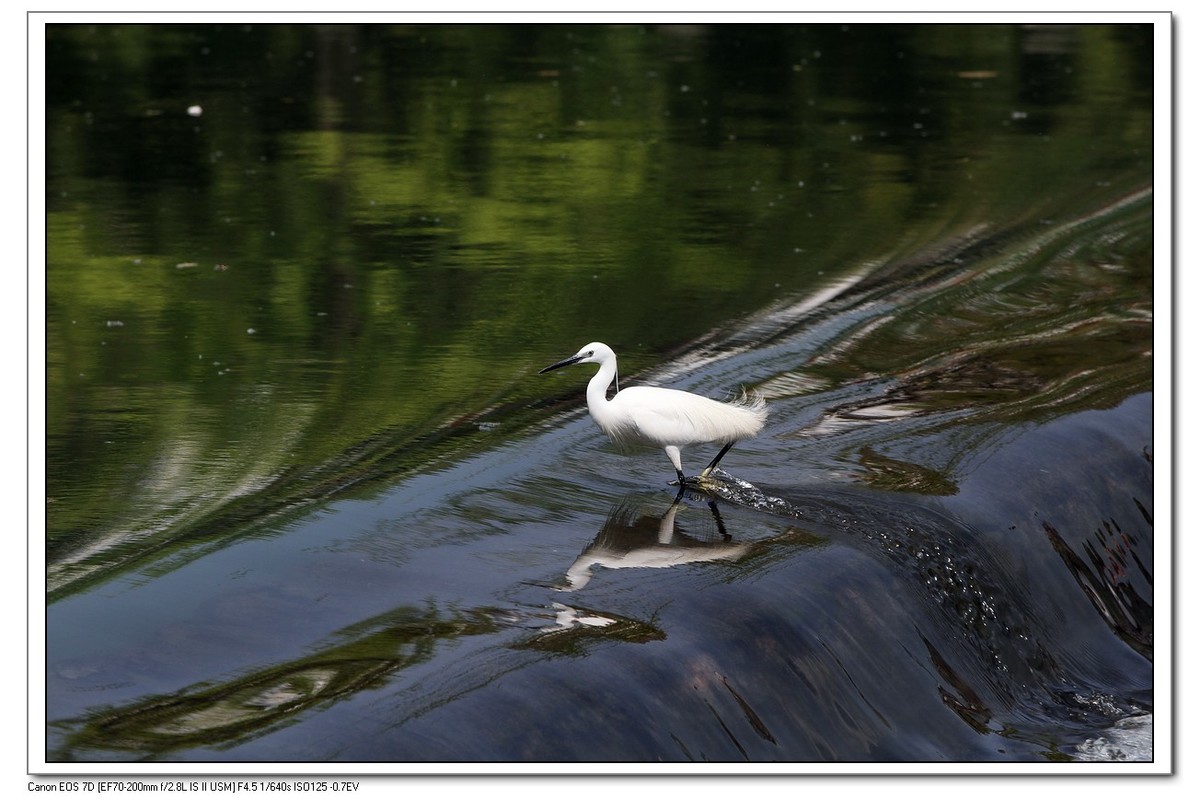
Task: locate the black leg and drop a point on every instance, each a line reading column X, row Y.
column 708, row 470
column 725, row 536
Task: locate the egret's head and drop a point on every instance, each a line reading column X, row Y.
column 589, row 353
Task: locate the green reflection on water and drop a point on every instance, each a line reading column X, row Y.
column 239, row 709
column 347, row 262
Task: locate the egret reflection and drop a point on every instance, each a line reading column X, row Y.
column 634, row 539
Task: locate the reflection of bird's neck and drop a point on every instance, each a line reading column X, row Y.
column 597, row 390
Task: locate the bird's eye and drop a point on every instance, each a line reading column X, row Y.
column 590, row 353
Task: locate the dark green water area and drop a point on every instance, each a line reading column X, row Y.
column 308, row 498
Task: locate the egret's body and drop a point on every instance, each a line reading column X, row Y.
column 663, row 417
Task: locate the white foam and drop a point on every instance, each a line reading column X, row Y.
column 1130, row 739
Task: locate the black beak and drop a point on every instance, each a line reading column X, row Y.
column 562, row 363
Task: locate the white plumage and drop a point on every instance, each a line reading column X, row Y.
column 664, row 417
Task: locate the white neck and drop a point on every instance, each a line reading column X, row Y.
column 597, row 390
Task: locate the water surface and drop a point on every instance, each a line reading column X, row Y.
column 308, row 498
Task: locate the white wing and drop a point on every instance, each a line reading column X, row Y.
column 665, row 416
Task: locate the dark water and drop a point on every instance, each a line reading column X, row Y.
column 308, row 498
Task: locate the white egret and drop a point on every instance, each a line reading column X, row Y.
column 663, row 417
